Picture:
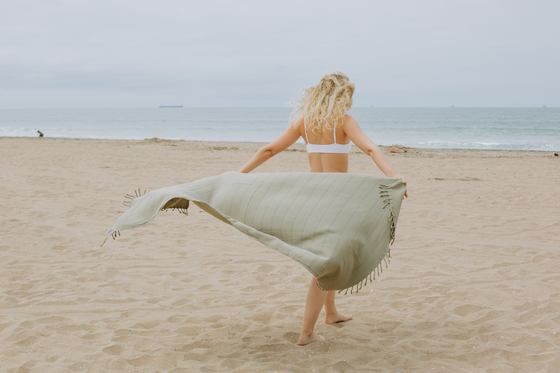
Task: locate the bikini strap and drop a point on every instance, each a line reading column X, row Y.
column 334, row 133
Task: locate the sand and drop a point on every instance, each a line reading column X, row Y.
column 473, row 286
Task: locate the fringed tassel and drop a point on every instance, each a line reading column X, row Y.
column 130, row 197
column 385, row 194
column 105, row 240
column 177, row 204
column 111, row 233
column 126, row 202
column 386, row 197
column 181, row 210
column 370, row 277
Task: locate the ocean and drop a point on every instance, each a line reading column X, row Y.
column 459, row 128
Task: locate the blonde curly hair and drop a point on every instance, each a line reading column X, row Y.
column 323, row 106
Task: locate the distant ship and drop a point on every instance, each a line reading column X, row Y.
column 170, row 106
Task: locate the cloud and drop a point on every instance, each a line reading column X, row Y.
column 254, row 53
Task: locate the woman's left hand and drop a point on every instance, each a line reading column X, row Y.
column 404, row 181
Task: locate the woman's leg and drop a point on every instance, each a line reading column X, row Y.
column 331, row 314
column 313, row 305
column 316, row 298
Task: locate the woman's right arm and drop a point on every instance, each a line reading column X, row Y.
column 362, row 141
column 288, row 138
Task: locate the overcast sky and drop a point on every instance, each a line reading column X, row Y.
column 96, row 54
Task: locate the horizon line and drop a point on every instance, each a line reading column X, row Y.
column 283, row 107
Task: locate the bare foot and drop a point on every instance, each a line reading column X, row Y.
column 305, row 339
column 333, row 319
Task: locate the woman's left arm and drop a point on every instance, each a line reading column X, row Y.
column 290, row 136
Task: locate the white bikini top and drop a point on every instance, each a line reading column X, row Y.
column 330, row 148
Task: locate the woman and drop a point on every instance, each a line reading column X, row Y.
column 321, row 119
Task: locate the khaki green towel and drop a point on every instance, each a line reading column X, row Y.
column 338, row 226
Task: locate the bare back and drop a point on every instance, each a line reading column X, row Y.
column 327, row 162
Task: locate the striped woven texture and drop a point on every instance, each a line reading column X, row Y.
column 338, row 226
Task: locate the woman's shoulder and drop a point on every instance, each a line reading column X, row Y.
column 348, row 119
column 296, row 125
column 297, row 122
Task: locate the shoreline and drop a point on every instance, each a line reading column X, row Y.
column 254, row 146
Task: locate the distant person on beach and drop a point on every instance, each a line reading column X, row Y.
column 320, row 119
column 40, row 133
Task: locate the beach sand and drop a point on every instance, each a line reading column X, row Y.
column 473, row 285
